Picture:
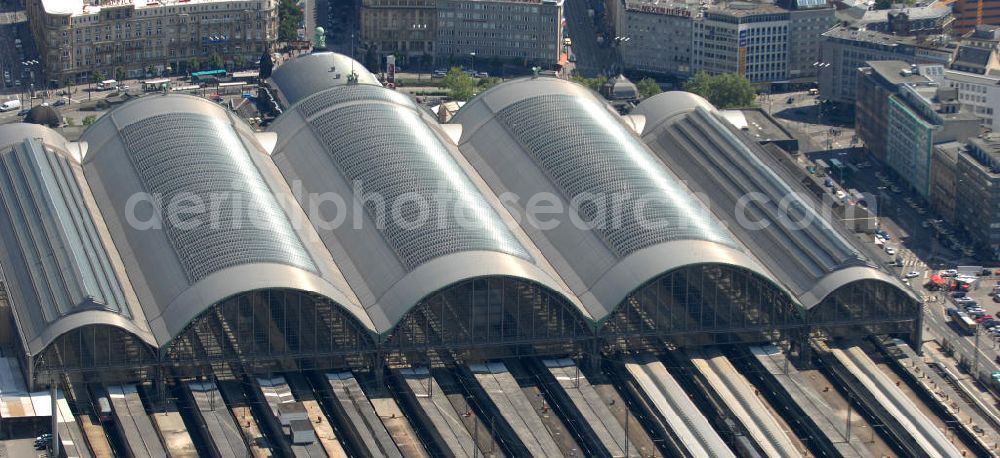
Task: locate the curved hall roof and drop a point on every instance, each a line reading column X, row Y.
column 413, row 218
column 60, row 268
column 810, row 255
column 311, row 73
column 199, row 212
column 550, row 139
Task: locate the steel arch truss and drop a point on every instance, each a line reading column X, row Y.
column 703, row 299
column 875, row 305
column 489, row 311
column 93, row 348
column 270, row 326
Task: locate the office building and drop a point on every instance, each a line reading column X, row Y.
column 76, row 38
column 846, row 49
column 978, row 94
column 944, row 180
column 876, row 83
column 453, row 32
column 750, row 39
column 807, row 20
column 968, row 15
column 404, row 28
column 919, row 118
column 522, row 32
column 977, row 199
column 660, row 37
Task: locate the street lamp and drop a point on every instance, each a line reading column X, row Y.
column 619, row 42
column 417, row 28
column 30, row 64
column 473, row 54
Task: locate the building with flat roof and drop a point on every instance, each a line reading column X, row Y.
column 845, row 49
column 977, row 198
column 978, row 94
column 75, row 38
column 932, row 19
column 876, row 82
column 406, row 29
column 919, row 118
column 460, row 32
column 524, row 32
column 807, row 20
column 750, row 39
column 944, row 182
column 660, row 37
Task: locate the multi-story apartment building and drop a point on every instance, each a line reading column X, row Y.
column 750, row 39
column 404, row 28
column 659, row 37
column 846, row 49
column 75, row 38
column 525, row 32
column 807, row 20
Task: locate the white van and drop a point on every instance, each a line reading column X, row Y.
column 10, row 105
column 107, row 85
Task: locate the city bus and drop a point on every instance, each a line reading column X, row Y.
column 196, row 77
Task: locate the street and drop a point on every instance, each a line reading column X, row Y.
column 591, row 58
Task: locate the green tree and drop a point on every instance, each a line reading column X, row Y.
column 215, row 61
column 648, row 87
column 119, row 73
column 89, row 120
column 194, row 65
column 70, row 121
column 151, row 70
column 460, row 85
column 486, row 83
column 239, row 62
column 592, row 83
column 97, row 76
column 726, row 90
column 289, row 18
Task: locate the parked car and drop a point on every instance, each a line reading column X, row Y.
column 958, row 294
column 949, row 273
column 890, row 250
column 912, row 274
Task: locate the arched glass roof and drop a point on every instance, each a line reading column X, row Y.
column 578, row 143
column 390, row 152
column 619, row 218
column 780, row 223
column 178, row 155
column 416, row 219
